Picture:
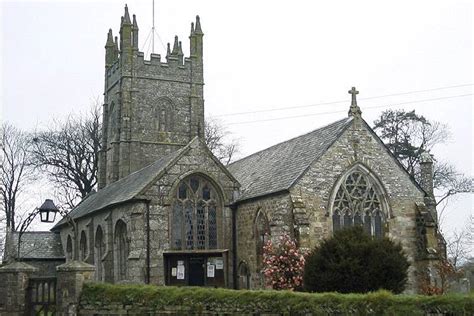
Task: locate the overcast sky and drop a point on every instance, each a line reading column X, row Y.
column 259, row 55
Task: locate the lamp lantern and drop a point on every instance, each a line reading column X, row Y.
column 48, row 211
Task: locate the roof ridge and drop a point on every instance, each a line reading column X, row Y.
column 289, row 140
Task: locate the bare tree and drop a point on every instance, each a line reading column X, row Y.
column 16, row 171
column 460, row 244
column 68, row 154
column 218, row 141
column 448, row 181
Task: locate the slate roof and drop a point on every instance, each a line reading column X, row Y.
column 123, row 190
column 37, row 245
column 276, row 168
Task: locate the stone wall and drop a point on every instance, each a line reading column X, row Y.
column 278, row 210
column 133, row 214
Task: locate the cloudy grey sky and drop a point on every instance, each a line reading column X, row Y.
column 259, row 55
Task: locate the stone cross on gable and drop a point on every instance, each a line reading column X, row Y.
column 354, row 109
column 354, row 93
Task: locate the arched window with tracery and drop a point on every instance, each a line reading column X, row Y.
column 69, row 249
column 194, row 215
column 357, row 202
column 99, row 252
column 262, row 233
column 83, row 246
column 122, row 249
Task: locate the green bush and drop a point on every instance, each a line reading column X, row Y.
column 354, row 262
column 107, row 299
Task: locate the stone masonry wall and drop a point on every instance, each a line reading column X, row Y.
column 278, row 210
column 133, row 214
column 358, row 146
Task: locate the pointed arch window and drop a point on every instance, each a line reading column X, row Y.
column 358, row 203
column 69, row 248
column 194, row 215
column 99, row 252
column 83, row 247
column 262, row 233
column 122, row 249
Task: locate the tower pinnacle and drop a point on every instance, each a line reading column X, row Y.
column 198, row 30
column 126, row 17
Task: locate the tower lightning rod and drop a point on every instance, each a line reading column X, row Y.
column 153, row 29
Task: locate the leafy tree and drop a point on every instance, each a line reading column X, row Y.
column 407, row 135
column 283, row 264
column 68, row 154
column 353, row 261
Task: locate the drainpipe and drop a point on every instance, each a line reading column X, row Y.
column 147, row 215
column 234, row 244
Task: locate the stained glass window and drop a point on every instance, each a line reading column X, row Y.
column 336, row 219
column 189, row 224
column 357, row 203
column 194, row 215
column 212, row 216
column 201, row 225
column 176, row 227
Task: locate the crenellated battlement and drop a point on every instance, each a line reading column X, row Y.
column 128, row 59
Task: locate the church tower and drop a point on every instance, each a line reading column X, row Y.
column 151, row 108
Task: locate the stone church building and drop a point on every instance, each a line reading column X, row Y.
column 168, row 212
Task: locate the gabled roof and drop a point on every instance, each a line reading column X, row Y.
column 276, row 168
column 123, row 190
column 37, row 245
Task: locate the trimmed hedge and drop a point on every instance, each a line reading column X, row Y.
column 195, row 300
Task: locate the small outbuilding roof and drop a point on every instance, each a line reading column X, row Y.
column 37, row 245
column 278, row 167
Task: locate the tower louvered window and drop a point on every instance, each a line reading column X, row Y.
column 194, row 215
column 357, row 203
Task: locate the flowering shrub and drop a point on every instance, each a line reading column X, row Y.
column 283, row 264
